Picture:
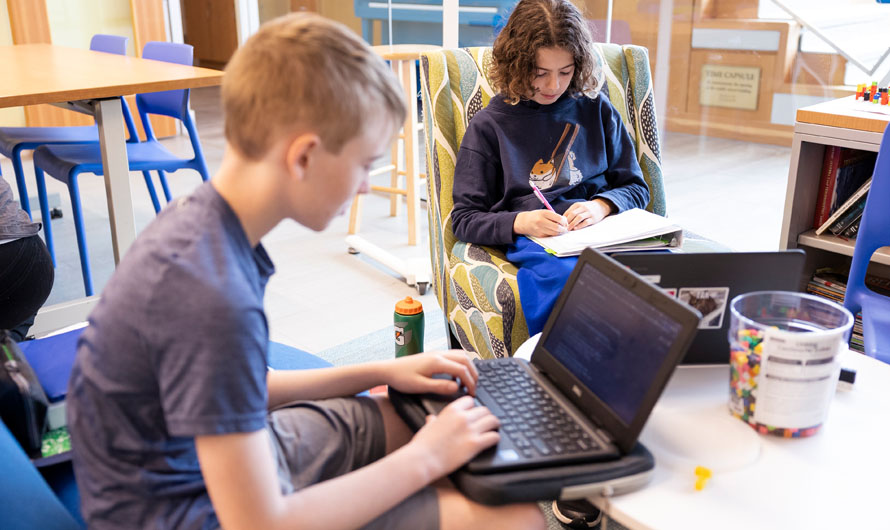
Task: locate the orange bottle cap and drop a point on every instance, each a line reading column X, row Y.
column 409, row 306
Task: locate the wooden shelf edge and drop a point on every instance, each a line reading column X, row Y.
column 838, row 246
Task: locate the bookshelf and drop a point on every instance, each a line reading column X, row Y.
column 837, row 122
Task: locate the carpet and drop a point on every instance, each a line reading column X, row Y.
column 380, row 345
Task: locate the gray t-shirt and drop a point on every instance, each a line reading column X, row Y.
column 175, row 348
column 14, row 222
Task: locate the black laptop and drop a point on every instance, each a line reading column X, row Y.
column 709, row 282
column 604, row 357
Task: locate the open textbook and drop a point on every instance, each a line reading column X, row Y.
column 634, row 229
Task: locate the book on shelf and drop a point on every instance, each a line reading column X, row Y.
column 846, row 214
column 831, row 283
column 848, row 219
column 634, row 229
column 826, row 184
column 853, row 230
column 844, row 170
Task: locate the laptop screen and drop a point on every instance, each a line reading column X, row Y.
column 612, row 341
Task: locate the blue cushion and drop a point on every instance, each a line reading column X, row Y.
column 52, row 359
column 283, row 357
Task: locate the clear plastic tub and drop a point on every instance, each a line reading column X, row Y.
column 783, row 360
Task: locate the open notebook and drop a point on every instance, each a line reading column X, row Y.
column 634, row 229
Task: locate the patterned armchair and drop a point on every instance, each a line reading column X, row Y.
column 476, row 285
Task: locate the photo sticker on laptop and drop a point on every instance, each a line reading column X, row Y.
column 711, row 302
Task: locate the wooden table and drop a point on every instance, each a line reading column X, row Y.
column 90, row 82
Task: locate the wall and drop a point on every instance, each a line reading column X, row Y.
column 72, row 23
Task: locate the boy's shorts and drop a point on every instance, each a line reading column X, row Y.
column 318, row 440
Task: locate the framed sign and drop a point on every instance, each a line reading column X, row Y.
column 732, row 87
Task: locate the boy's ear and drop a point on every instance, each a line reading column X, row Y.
column 299, row 153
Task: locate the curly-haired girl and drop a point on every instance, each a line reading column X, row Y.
column 548, row 127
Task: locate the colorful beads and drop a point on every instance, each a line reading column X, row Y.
column 744, row 367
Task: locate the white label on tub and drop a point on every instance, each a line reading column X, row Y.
column 798, row 375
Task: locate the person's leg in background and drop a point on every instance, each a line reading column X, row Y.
column 26, row 279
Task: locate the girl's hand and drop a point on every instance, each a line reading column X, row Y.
column 412, row 374
column 587, row 213
column 540, row 223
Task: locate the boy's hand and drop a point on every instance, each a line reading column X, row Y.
column 412, row 374
column 540, row 223
column 456, row 435
column 586, row 213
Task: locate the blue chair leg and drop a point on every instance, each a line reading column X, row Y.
column 81, row 235
column 20, row 180
column 196, row 146
column 44, row 212
column 151, row 191
column 202, row 170
column 162, row 176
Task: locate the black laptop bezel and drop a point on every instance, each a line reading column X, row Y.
column 623, row 434
column 780, row 270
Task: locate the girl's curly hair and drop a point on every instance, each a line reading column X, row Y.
column 536, row 24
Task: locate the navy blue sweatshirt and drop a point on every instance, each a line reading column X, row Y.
column 575, row 149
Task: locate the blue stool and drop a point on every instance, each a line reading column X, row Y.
column 29, row 500
column 283, row 357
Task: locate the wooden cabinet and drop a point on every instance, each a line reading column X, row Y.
column 209, row 26
column 837, row 122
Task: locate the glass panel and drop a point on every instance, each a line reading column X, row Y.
column 269, row 9
column 857, row 32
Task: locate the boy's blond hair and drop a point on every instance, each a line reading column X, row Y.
column 303, row 72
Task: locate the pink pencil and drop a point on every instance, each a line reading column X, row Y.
column 541, row 197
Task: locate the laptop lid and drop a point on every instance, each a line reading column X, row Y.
column 709, row 282
column 611, row 344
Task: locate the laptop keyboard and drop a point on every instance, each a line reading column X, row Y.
column 534, row 422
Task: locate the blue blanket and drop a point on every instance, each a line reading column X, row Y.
column 541, row 278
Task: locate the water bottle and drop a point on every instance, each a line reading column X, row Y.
column 408, row 322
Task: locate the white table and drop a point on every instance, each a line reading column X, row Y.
column 839, row 478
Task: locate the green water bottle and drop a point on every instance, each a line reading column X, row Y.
column 408, row 321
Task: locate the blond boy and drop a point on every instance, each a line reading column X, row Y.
column 170, row 400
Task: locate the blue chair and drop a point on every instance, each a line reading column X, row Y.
column 14, row 140
column 66, row 162
column 874, row 233
column 26, row 500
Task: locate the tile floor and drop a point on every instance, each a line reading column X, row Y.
column 322, row 296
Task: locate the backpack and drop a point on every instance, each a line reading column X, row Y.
column 23, row 403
